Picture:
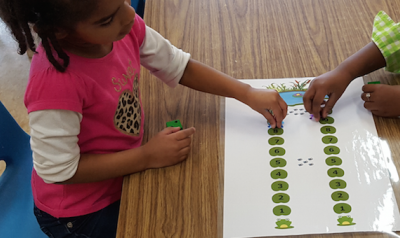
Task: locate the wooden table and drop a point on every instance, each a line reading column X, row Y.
column 247, row 39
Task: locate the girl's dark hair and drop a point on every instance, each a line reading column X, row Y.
column 47, row 16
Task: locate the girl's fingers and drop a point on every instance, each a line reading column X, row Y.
column 170, row 130
column 270, row 118
column 284, row 107
column 308, row 99
column 185, row 142
column 370, row 106
column 369, row 88
column 184, row 151
column 182, row 134
column 329, row 105
column 278, row 116
column 367, row 97
column 318, row 100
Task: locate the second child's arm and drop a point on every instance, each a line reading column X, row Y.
column 206, row 79
column 335, row 82
column 365, row 61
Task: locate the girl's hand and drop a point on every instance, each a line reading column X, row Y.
column 168, row 147
column 266, row 101
column 333, row 84
column 384, row 99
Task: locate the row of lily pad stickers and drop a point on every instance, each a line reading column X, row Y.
column 333, row 172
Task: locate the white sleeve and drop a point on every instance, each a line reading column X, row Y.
column 162, row 59
column 54, row 143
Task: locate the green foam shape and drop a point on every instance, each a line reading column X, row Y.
column 328, row 130
column 330, row 112
column 276, row 141
column 331, row 150
column 280, row 198
column 277, row 162
column 281, row 210
column 335, row 172
column 327, row 120
column 333, row 160
column 280, row 186
column 275, row 131
column 337, row 183
column 278, row 174
column 342, row 208
column 340, row 196
column 329, row 140
column 275, row 151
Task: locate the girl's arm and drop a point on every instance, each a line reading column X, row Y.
column 57, row 157
column 206, row 79
column 167, row 148
column 174, row 66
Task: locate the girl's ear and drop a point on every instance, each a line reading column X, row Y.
column 60, row 33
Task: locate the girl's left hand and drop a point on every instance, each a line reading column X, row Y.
column 266, row 101
column 384, row 100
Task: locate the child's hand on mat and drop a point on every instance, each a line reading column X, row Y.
column 382, row 100
column 331, row 84
column 168, row 147
column 268, row 103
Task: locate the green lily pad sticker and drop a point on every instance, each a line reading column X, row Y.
column 278, row 174
column 283, row 224
column 345, row 221
column 275, row 131
column 282, row 210
column 275, row 151
column 280, row 198
column 335, row 172
column 342, row 208
column 276, row 141
column 330, row 112
column 340, row 196
column 327, row 120
column 280, row 186
column 328, row 130
column 329, row 150
column 337, row 183
column 329, row 140
column 333, row 160
column 278, row 162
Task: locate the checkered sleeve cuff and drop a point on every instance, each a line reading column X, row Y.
column 386, row 36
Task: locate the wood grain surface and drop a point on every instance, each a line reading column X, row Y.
column 247, row 39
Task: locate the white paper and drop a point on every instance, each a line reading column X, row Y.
column 248, row 204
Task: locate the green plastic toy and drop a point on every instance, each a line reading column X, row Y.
column 174, row 123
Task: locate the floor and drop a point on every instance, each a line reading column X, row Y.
column 14, row 70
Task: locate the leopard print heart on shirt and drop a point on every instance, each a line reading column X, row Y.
column 127, row 118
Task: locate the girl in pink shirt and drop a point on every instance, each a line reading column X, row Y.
column 85, row 109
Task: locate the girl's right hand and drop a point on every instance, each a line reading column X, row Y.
column 168, row 147
column 333, row 84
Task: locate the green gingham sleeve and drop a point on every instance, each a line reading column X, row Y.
column 386, row 35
